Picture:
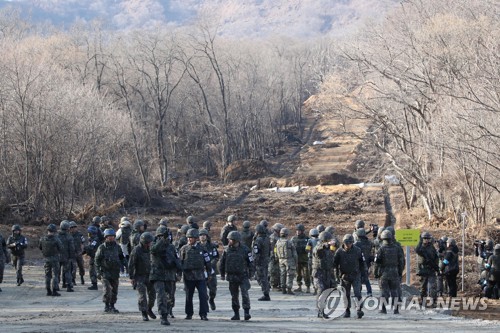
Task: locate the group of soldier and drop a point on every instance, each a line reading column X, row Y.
column 155, row 261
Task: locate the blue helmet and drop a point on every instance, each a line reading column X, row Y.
column 92, row 230
column 109, row 232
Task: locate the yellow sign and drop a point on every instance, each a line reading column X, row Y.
column 408, row 237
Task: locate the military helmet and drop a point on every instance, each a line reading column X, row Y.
column 444, row 239
column 313, row 232
column 391, row 229
column 52, row 228
column 451, row 242
column 231, row 218
column 124, row 218
column 72, row 224
column 259, row 228
column 489, row 245
column 386, row 234
column 189, row 219
column 203, row 232
column 246, row 224
column 161, row 231
column 426, row 235
column 16, row 227
column 264, row 223
column 207, row 225
column 234, row 235
column 277, row 227
column 104, row 219
column 300, row 227
column 125, row 224
column 96, row 220
column 497, row 247
column 163, row 221
column 64, row 225
column 92, row 229
column 380, row 231
column 330, row 229
column 192, row 233
column 284, row 232
column 359, row 224
column 361, row 232
column 348, row 239
column 184, row 229
column 138, row 224
column 325, row 236
column 109, row 232
column 146, row 237
column 320, row 228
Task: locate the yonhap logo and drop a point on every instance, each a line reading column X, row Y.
column 332, row 303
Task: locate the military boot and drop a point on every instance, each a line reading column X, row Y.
column 308, row 290
column 315, row 291
column 93, row 286
column 112, row 308
column 49, row 292
column 211, row 301
column 290, row 292
column 151, row 313
column 145, row 316
column 360, row 314
column 265, row 297
column 171, row 313
column 247, row 314
column 236, row 315
column 55, row 293
column 396, row 309
column 164, row 319
column 383, row 310
column 107, row 308
column 347, row 313
column 283, row 291
column 69, row 289
column 82, row 280
column 299, row 289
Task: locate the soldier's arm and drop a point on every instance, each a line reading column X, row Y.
column 222, row 266
column 131, row 264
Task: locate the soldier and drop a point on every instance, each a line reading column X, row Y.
column 51, row 247
column 191, row 222
column 287, row 256
column 123, row 239
column 274, row 268
column 441, row 286
column 247, row 235
column 237, row 263
column 139, row 268
column 96, row 221
column 67, row 255
column 265, row 224
column 311, row 244
column 483, row 250
column 181, row 237
column 195, row 264
column 164, row 222
column 78, row 240
column 322, row 266
column 207, row 225
column 104, row 224
column 230, row 226
column 493, row 266
column 90, row 250
column 108, row 259
column 349, row 263
column 17, row 243
column 390, row 262
column 449, row 266
column 300, row 241
column 261, row 253
column 135, row 235
column 4, row 257
column 164, row 266
column 366, row 247
column 214, row 258
column 427, row 266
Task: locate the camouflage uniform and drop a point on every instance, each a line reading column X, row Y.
column 349, row 264
column 17, row 243
column 247, row 235
column 449, row 267
column 77, row 262
column 51, row 247
column 165, row 264
column 274, row 267
column 427, row 268
column 261, row 254
column 311, row 244
column 211, row 249
column 4, row 257
column 195, row 264
column 366, row 246
column 225, row 231
column 90, row 250
column 108, row 259
column 287, row 256
column 493, row 265
column 300, row 242
column 123, row 239
column 139, row 268
column 66, row 257
column 322, row 266
column 237, row 263
column 390, row 263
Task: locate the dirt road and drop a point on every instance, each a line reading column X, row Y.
column 27, row 309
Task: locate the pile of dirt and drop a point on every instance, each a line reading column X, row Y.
column 247, row 169
column 335, row 178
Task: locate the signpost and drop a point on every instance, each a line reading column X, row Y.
column 408, row 237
